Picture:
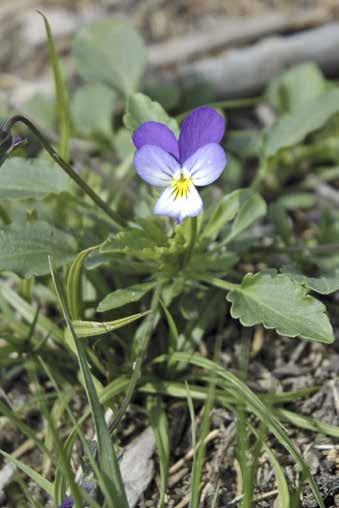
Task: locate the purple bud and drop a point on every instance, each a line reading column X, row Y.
column 67, row 503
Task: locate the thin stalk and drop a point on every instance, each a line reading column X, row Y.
column 243, row 434
column 146, row 337
column 229, row 104
column 219, row 283
column 193, row 237
column 7, row 126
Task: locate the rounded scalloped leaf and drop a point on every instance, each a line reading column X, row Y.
column 111, row 52
column 276, row 301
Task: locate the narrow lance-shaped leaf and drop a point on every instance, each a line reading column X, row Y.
column 243, row 205
column 123, row 296
column 107, row 457
column 61, row 93
column 278, row 302
column 95, row 328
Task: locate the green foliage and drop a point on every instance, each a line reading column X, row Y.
column 92, row 109
column 295, row 87
column 277, row 302
column 121, row 297
column 140, row 109
column 111, row 52
column 61, row 93
column 31, row 179
column 293, row 127
column 24, row 248
column 113, row 253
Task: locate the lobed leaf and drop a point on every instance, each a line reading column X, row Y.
column 278, row 302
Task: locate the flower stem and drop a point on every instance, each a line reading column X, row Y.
column 219, row 283
column 7, row 126
column 193, row 237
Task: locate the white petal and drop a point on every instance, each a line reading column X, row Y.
column 206, row 164
column 155, row 166
column 179, row 208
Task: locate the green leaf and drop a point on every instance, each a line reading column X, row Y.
column 234, row 385
column 112, row 52
column 44, row 484
column 107, row 457
column 288, row 91
column 309, row 423
column 92, row 110
column 284, row 495
column 249, row 212
column 324, row 285
column 293, row 127
column 24, row 249
column 243, row 204
column 121, row 297
column 159, row 423
column 31, row 179
column 94, row 328
column 61, row 94
column 141, row 108
column 28, row 312
column 43, row 109
column 73, row 289
column 278, row 302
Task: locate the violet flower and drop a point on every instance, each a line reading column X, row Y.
column 195, row 160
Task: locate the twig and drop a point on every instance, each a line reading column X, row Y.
column 189, row 455
column 245, row 71
column 231, row 32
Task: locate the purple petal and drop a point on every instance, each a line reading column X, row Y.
column 179, row 207
column 206, row 164
column 155, row 166
column 203, row 126
column 158, row 134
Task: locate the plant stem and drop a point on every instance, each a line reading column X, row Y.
column 219, row 283
column 146, row 337
column 7, row 126
column 228, row 104
column 193, row 237
column 245, row 458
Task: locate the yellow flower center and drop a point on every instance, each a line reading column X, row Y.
column 181, row 186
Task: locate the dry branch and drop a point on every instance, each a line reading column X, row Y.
column 232, row 32
column 244, row 71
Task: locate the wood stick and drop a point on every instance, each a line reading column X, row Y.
column 241, row 72
column 229, row 32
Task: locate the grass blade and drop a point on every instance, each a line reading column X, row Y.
column 73, row 287
column 61, row 93
column 159, row 424
column 44, row 484
column 257, row 407
column 107, row 457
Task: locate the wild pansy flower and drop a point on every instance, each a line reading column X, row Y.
column 195, row 160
